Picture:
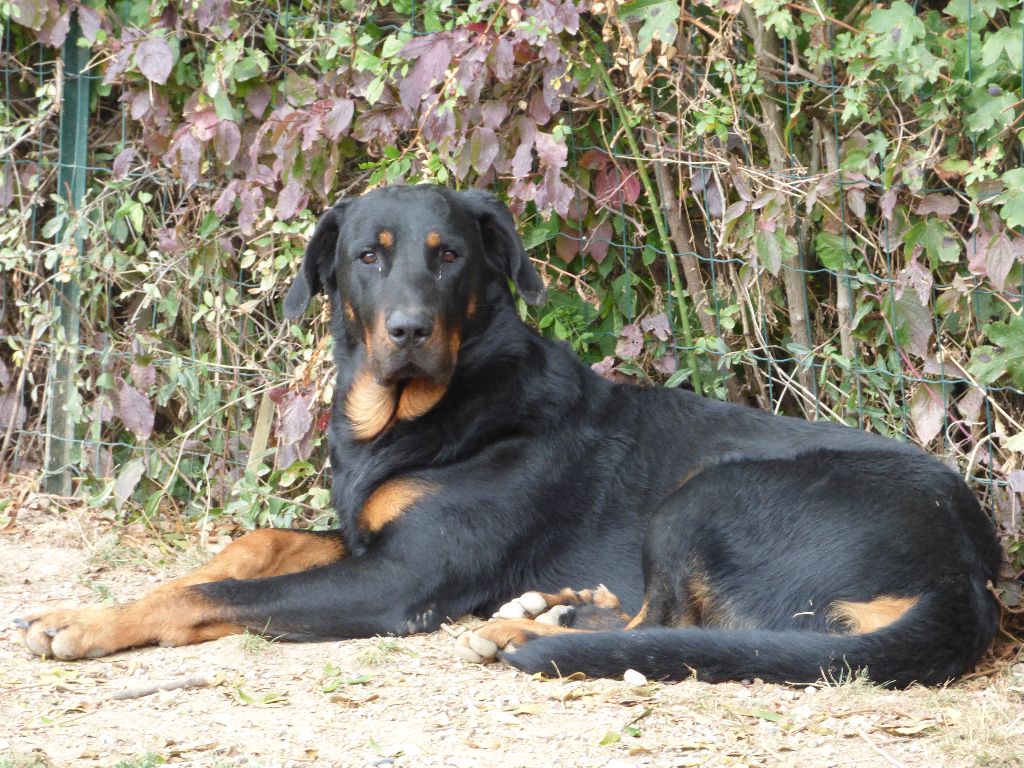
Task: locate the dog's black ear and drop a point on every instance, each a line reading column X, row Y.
column 501, row 239
column 317, row 271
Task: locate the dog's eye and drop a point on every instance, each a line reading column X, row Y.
column 368, row 257
column 449, row 256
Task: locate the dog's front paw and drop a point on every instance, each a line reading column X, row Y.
column 73, row 633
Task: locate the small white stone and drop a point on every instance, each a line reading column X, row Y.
column 632, row 677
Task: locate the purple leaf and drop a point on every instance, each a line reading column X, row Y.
column 226, row 141
column 612, row 190
column 494, row 113
column 522, row 160
column 294, row 418
column 550, row 151
column 144, row 376
column 598, row 241
column 433, row 54
column 595, row 160
column 135, row 410
column 970, row 404
column 339, row 118
column 503, row 60
column 154, row 59
column 55, row 30
column 999, row 259
column 887, row 203
column 90, row 22
column 630, row 343
column 209, row 12
column 12, row 410
column 257, row 100
column 140, row 103
column 915, row 276
column 292, row 198
column 122, row 163
column 666, row 364
column 1015, row 479
column 927, row 411
column 537, row 110
column 855, row 199
column 658, row 325
column 604, row 368
column 552, row 194
column 943, row 206
column 227, row 198
column 483, row 148
column 190, row 152
column 127, row 480
column 252, row 204
column 168, row 241
column 567, row 245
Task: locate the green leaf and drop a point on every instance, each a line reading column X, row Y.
column 769, row 254
column 984, row 111
column 1015, row 443
column 988, row 364
column 833, row 251
column 610, row 737
column 659, row 21
column 270, row 37
column 897, row 26
column 1011, row 201
column 975, row 11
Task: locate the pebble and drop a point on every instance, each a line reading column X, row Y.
column 632, row 677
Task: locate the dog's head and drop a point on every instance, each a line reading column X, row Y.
column 406, row 266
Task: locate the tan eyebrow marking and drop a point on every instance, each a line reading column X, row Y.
column 386, row 238
column 433, row 239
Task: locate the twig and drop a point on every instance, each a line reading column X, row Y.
column 879, row 751
column 195, row 681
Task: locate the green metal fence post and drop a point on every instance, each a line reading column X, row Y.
column 74, row 125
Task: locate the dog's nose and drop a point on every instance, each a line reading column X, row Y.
column 409, row 329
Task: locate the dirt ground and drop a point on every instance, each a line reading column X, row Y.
column 410, row 702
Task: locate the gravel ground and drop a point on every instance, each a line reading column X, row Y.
column 410, row 702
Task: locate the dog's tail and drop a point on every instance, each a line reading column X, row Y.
column 930, row 644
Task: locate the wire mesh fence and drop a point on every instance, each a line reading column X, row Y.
column 808, row 210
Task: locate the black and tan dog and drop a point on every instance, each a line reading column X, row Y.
column 473, row 460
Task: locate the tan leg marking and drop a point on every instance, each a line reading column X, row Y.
column 640, row 618
column 501, row 632
column 390, row 500
column 601, row 597
column 861, row 618
column 174, row 614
